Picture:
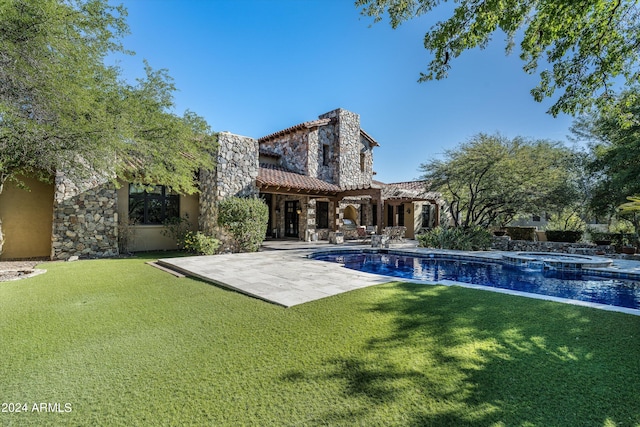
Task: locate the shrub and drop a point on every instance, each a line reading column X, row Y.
column 200, row 243
column 571, row 236
column 177, row 228
column 246, row 220
column 522, row 233
column 597, row 236
column 465, row 239
column 126, row 235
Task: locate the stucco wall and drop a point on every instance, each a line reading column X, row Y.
column 27, row 220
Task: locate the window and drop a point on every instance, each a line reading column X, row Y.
column 152, row 206
column 325, row 155
column 426, row 216
column 362, row 162
column 322, row 214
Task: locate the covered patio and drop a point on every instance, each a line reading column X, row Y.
column 308, row 208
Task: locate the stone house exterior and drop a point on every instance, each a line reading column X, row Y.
column 316, row 178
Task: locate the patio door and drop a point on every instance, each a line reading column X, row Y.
column 400, row 210
column 291, row 218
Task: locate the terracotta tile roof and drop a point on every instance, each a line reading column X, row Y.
column 305, row 125
column 277, row 176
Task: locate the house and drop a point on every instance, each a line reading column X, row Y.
column 316, row 178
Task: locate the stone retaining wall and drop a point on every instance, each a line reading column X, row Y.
column 506, row 244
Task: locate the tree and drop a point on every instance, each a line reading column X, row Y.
column 630, row 210
column 588, row 44
column 490, row 179
column 614, row 142
column 62, row 108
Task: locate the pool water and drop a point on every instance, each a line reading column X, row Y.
column 571, row 285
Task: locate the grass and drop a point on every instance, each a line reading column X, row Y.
column 126, row 344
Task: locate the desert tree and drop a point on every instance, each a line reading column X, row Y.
column 63, row 109
column 490, row 179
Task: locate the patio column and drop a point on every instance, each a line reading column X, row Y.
column 335, row 202
column 380, row 212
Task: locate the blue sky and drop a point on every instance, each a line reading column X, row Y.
column 253, row 67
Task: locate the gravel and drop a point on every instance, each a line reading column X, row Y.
column 11, row 270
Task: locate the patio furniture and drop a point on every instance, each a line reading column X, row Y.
column 363, row 235
column 395, row 233
column 379, row 241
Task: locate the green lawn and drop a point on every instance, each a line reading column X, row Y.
column 126, row 344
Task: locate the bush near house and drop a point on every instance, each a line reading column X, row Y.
column 246, row 220
column 196, row 242
column 200, row 243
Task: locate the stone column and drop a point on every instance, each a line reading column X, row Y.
column 234, row 175
column 85, row 218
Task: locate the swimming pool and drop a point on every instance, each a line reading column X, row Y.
column 562, row 284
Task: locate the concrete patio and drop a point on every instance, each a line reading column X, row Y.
column 280, row 273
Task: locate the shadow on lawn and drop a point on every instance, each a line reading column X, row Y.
column 463, row 357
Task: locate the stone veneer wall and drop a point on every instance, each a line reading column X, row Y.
column 85, row 219
column 327, row 137
column 293, row 149
column 349, row 147
column 235, row 175
column 302, row 150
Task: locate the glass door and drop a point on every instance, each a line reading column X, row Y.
column 291, row 218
